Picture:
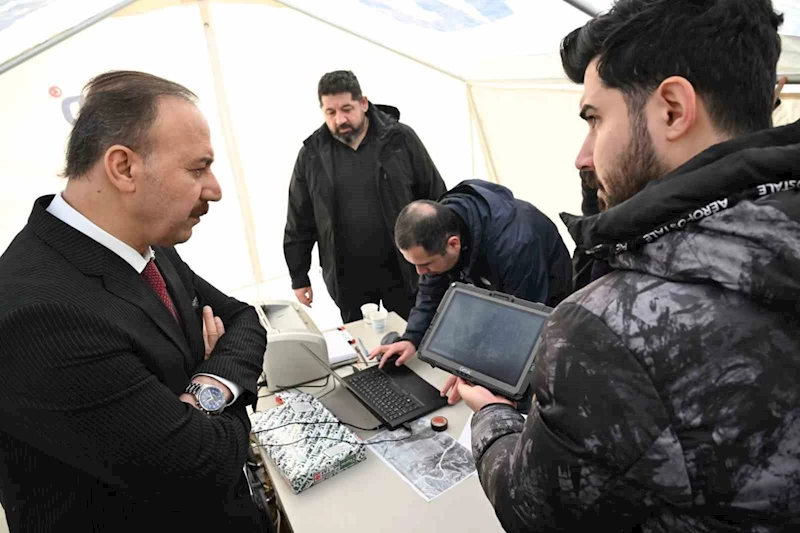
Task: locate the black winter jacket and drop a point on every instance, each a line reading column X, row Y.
column 667, row 393
column 404, row 173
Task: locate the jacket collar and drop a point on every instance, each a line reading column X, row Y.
column 382, row 118
column 719, row 173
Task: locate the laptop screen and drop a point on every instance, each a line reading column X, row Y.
column 491, row 337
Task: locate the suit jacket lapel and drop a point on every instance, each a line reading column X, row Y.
column 184, row 304
column 94, row 259
column 123, row 281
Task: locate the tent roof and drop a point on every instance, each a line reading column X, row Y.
column 471, row 40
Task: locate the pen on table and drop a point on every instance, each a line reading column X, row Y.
column 364, row 349
column 359, row 354
column 356, row 349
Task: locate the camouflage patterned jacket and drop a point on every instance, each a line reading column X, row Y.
column 667, row 395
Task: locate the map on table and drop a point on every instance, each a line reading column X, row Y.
column 431, row 462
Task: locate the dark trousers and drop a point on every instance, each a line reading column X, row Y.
column 394, row 299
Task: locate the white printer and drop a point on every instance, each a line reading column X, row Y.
column 289, row 332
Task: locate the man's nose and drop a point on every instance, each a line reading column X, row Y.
column 212, row 192
column 585, row 159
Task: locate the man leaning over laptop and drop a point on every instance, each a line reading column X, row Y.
column 477, row 233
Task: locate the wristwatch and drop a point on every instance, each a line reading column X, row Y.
column 210, row 399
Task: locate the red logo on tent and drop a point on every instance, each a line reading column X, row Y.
column 55, row 92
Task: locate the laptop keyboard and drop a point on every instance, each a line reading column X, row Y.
column 382, row 394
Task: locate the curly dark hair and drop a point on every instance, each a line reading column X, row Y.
column 337, row 82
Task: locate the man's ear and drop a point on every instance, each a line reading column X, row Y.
column 676, row 106
column 118, row 162
column 364, row 104
column 454, row 241
column 778, row 88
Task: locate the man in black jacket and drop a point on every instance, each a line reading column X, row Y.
column 123, row 403
column 667, row 394
column 351, row 179
column 480, row 234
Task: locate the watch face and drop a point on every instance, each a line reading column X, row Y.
column 211, row 399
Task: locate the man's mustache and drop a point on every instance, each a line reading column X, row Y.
column 588, row 178
column 200, row 211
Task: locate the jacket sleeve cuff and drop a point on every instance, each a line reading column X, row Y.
column 492, row 422
column 412, row 338
column 301, row 282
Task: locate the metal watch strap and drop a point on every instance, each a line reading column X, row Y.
column 194, row 388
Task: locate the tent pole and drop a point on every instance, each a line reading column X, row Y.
column 232, row 148
column 584, row 6
column 471, row 134
column 487, row 151
column 64, row 35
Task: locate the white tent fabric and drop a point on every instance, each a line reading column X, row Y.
column 479, row 80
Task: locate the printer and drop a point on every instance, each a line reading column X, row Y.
column 290, row 335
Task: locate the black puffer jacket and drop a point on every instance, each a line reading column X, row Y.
column 668, row 391
column 405, row 172
column 512, row 248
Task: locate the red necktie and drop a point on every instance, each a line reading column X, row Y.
column 156, row 281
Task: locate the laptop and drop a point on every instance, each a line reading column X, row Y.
column 485, row 337
column 393, row 394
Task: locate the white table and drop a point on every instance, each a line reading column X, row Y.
column 371, row 497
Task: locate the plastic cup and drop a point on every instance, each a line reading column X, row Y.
column 378, row 319
column 366, row 311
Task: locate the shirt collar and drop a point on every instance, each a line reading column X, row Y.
column 68, row 215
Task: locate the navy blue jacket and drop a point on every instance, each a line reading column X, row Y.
column 511, row 247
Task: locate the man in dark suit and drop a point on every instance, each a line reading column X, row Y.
column 125, row 375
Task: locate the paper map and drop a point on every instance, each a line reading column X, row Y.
column 431, row 462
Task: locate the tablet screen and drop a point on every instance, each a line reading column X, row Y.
column 487, row 336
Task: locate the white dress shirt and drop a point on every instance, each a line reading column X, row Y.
column 68, row 215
